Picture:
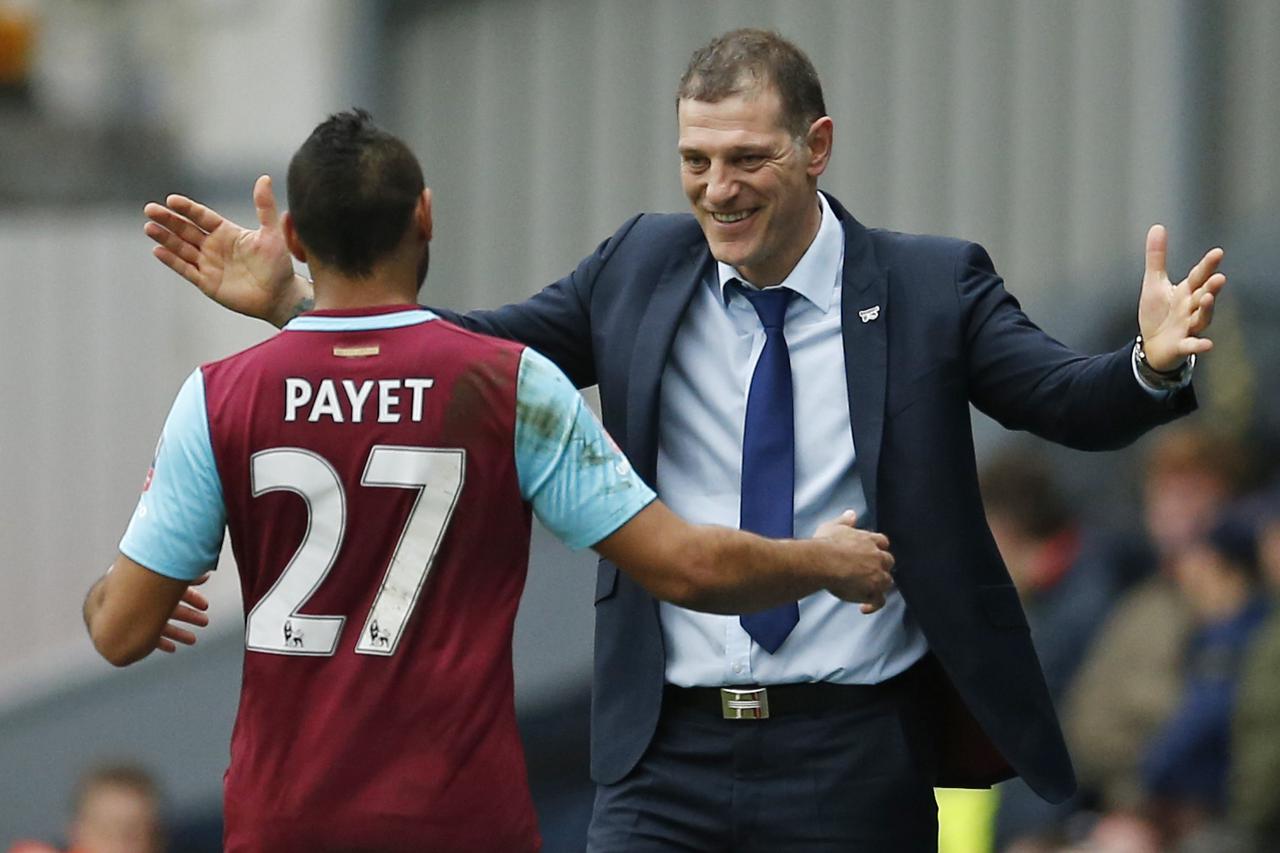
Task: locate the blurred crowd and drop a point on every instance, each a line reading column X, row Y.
column 1162, row 651
column 115, row 808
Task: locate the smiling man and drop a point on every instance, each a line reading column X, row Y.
column 764, row 362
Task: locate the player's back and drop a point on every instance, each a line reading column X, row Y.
column 367, row 465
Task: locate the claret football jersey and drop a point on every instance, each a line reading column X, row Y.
column 376, row 470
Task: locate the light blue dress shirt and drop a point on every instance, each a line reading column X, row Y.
column 703, row 404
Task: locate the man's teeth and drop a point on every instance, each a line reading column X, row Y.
column 731, row 217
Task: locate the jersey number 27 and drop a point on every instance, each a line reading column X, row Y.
column 274, row 624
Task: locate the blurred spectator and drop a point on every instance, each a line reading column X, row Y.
column 116, row 809
column 1254, row 795
column 1185, row 766
column 1131, row 678
column 17, row 43
column 1066, row 579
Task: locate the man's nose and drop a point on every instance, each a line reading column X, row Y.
column 721, row 186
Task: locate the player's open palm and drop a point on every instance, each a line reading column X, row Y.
column 247, row 271
column 861, row 562
column 1172, row 317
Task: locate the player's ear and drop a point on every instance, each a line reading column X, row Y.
column 422, row 213
column 291, row 239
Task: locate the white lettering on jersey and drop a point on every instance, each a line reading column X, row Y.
column 297, row 392
column 387, row 397
column 357, row 397
column 326, row 403
column 317, row 402
column 419, row 387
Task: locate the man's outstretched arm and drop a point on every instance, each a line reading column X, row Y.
column 251, row 272
column 720, row 570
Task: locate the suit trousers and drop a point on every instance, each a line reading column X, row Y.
column 848, row 780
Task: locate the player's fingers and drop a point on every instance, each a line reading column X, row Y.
column 872, row 605
column 1204, row 270
column 887, row 561
column 1203, row 315
column 188, row 271
column 202, row 216
column 1195, row 346
column 166, row 646
column 1157, row 249
column 264, row 202
column 183, row 613
column 171, row 241
column 194, row 597
column 200, row 580
column 180, row 225
column 178, row 635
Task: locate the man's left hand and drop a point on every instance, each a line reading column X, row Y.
column 1172, row 317
column 191, row 610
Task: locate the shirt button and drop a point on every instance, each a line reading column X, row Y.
column 738, row 668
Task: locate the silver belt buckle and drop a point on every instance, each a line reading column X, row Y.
column 749, row 704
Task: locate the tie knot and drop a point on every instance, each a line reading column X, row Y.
column 770, row 304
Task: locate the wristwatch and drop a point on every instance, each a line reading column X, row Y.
column 1162, row 380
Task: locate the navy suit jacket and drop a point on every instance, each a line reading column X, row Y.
column 947, row 334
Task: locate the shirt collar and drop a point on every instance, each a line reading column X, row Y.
column 814, row 276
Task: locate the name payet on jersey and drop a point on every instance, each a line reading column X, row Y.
column 386, row 401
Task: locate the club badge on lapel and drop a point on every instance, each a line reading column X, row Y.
column 866, row 315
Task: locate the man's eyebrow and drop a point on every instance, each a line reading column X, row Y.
column 749, row 148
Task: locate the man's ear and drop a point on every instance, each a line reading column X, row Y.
column 819, row 140
column 291, row 239
column 422, row 214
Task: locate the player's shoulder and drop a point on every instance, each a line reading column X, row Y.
column 237, row 363
column 249, row 352
column 475, row 343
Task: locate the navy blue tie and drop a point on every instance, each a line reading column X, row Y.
column 769, row 456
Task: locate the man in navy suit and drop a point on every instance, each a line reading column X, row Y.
column 764, row 362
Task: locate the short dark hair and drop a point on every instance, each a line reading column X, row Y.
column 742, row 60
column 1019, row 485
column 352, row 191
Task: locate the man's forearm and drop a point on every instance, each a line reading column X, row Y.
column 732, row 571
column 720, row 570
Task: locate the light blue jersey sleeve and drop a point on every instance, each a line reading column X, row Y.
column 176, row 529
column 581, row 486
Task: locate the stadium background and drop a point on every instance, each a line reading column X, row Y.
column 1053, row 133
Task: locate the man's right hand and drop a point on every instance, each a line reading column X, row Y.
column 860, row 562
column 247, row 271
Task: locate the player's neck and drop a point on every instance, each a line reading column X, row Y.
column 336, row 292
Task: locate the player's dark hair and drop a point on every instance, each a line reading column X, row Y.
column 352, row 191
column 741, row 61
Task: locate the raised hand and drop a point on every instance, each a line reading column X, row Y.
column 247, row 271
column 191, row 610
column 1172, row 317
column 865, row 562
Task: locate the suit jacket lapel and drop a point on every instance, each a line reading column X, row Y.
column 654, row 337
column 864, row 304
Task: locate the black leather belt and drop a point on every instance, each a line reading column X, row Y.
column 756, row 702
